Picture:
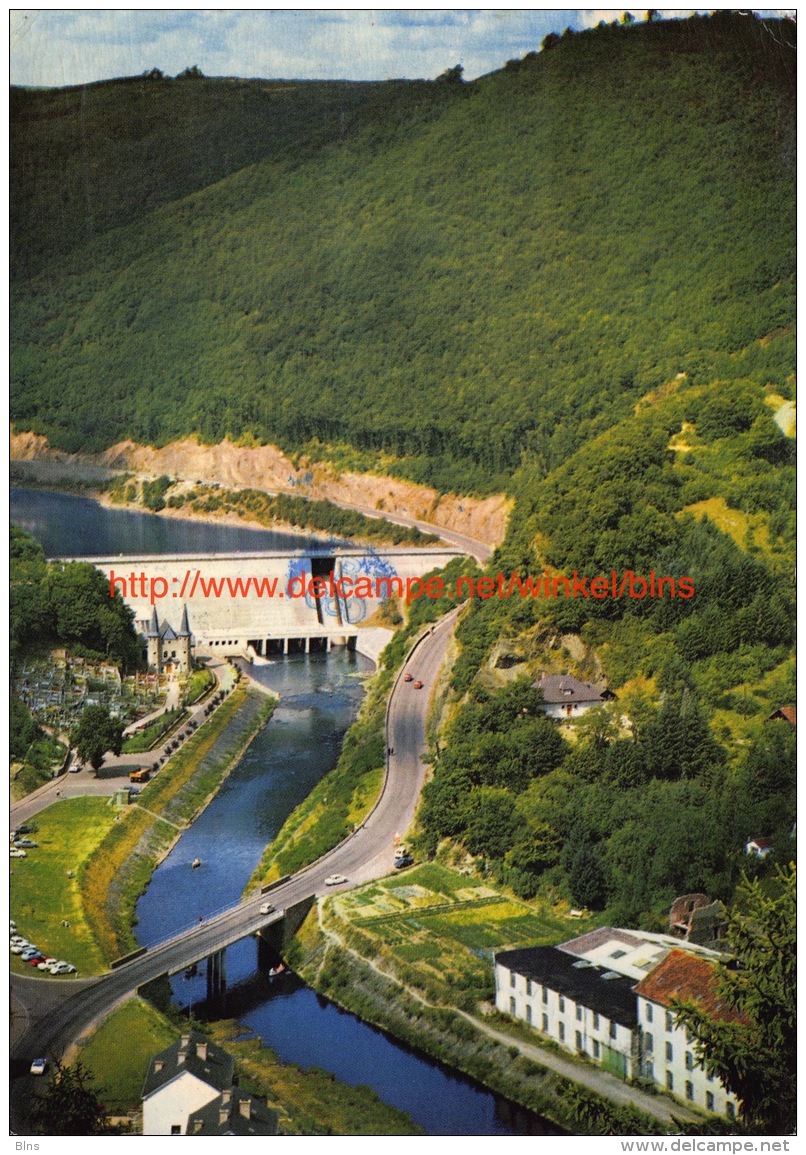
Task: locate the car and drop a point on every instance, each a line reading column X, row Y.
column 418, row 685
column 46, row 963
column 62, row 968
column 15, row 852
column 35, row 960
column 29, row 952
column 134, row 791
column 405, row 860
column 27, row 843
column 408, row 678
column 39, row 1066
column 335, row 880
column 19, row 947
column 75, row 767
column 267, row 908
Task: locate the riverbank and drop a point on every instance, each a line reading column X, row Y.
column 567, row 1094
column 267, row 468
column 119, row 870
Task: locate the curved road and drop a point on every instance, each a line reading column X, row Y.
column 53, row 1013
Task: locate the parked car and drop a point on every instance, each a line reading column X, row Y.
column 62, row 968
column 25, row 828
column 46, row 963
column 418, row 685
column 28, row 843
column 406, row 860
column 267, row 908
column 15, row 852
column 39, row 1066
column 335, row 880
column 19, row 947
column 28, row 952
column 407, row 677
column 35, row 960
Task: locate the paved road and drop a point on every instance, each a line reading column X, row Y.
column 60, row 1011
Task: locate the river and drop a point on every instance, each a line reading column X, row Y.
column 320, row 695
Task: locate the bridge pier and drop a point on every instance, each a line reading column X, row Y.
column 217, row 976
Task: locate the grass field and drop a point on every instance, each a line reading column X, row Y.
column 119, row 1070
column 42, row 895
column 439, row 929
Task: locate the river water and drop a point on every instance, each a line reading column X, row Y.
column 320, row 696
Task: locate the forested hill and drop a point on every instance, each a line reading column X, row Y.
column 461, row 276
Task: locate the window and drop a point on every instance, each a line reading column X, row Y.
column 689, row 1061
column 176, row 1128
column 669, row 1021
column 579, row 1040
column 730, row 1110
column 562, row 1004
column 709, row 1100
column 596, row 1022
column 689, row 1089
column 528, row 986
column 669, row 1081
column 512, row 980
column 512, row 1010
column 649, row 1042
column 528, row 1013
column 649, row 1070
column 597, row 1050
column 649, row 1012
column 618, row 954
column 579, row 1014
column 562, row 1032
column 669, row 1053
column 545, row 996
column 613, row 1030
column 546, row 1023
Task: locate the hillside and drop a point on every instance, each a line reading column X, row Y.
column 538, row 249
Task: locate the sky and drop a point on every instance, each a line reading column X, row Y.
column 54, row 47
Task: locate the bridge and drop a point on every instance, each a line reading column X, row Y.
column 57, row 1012
column 259, row 605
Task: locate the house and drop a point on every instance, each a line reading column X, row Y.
column 583, row 994
column 761, row 847
column 668, row 1056
column 695, row 918
column 785, row 714
column 588, row 1010
column 182, row 1079
column 233, row 1113
column 566, row 697
column 169, row 652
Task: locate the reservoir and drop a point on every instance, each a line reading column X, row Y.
column 319, row 696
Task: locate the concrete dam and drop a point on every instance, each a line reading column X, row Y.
column 262, row 605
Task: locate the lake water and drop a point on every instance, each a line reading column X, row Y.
column 320, row 696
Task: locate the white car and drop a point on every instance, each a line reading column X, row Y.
column 335, row 880
column 39, row 1066
column 19, row 947
column 15, row 852
column 62, row 968
column 267, row 908
column 46, row 964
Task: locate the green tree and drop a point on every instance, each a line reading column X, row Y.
column 70, row 1105
column 95, row 733
column 754, row 1053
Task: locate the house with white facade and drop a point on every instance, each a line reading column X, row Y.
column 668, row 1053
column 233, row 1112
column 182, row 1079
column 566, row 697
column 587, row 1009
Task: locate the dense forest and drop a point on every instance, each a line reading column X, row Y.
column 571, row 280
column 538, row 248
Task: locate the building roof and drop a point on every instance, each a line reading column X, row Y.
column 194, row 1053
column 594, row 939
column 561, row 688
column 577, row 979
column 685, row 977
column 788, row 713
column 184, row 628
column 233, row 1112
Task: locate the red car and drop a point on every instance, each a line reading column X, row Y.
column 407, row 677
column 418, row 685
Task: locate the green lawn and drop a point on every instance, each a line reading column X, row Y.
column 41, row 893
column 119, row 1070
